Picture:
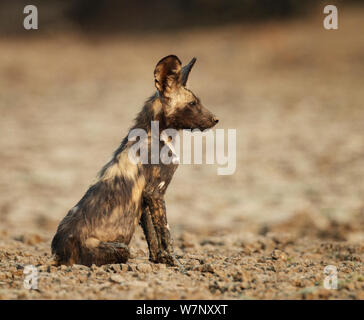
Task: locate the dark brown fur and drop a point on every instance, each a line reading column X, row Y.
column 99, row 228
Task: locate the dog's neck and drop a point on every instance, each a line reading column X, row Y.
column 152, row 111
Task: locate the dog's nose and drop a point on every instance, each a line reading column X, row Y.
column 215, row 120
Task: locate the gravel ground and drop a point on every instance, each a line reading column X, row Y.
column 265, row 264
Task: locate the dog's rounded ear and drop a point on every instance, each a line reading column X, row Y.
column 167, row 75
column 186, row 71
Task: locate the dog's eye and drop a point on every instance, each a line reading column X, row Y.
column 192, row 104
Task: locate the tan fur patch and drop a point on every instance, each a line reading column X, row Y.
column 112, row 171
column 92, row 243
column 137, row 190
column 121, row 167
column 115, row 215
column 137, row 218
column 179, row 98
column 157, row 106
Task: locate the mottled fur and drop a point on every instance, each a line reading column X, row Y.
column 99, row 228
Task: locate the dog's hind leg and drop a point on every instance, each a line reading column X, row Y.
column 106, row 253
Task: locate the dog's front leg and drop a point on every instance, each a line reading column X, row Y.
column 149, row 232
column 157, row 210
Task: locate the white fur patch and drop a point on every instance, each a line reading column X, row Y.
column 74, row 209
column 175, row 157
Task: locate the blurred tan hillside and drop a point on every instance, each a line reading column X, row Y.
column 292, row 90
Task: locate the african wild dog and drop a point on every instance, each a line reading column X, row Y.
column 99, row 228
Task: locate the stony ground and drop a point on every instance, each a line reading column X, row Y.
column 273, row 264
column 295, row 204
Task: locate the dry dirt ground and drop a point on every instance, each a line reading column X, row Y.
column 295, row 204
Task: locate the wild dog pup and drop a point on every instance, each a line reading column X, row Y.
column 99, row 228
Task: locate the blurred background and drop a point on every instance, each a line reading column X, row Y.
column 293, row 90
